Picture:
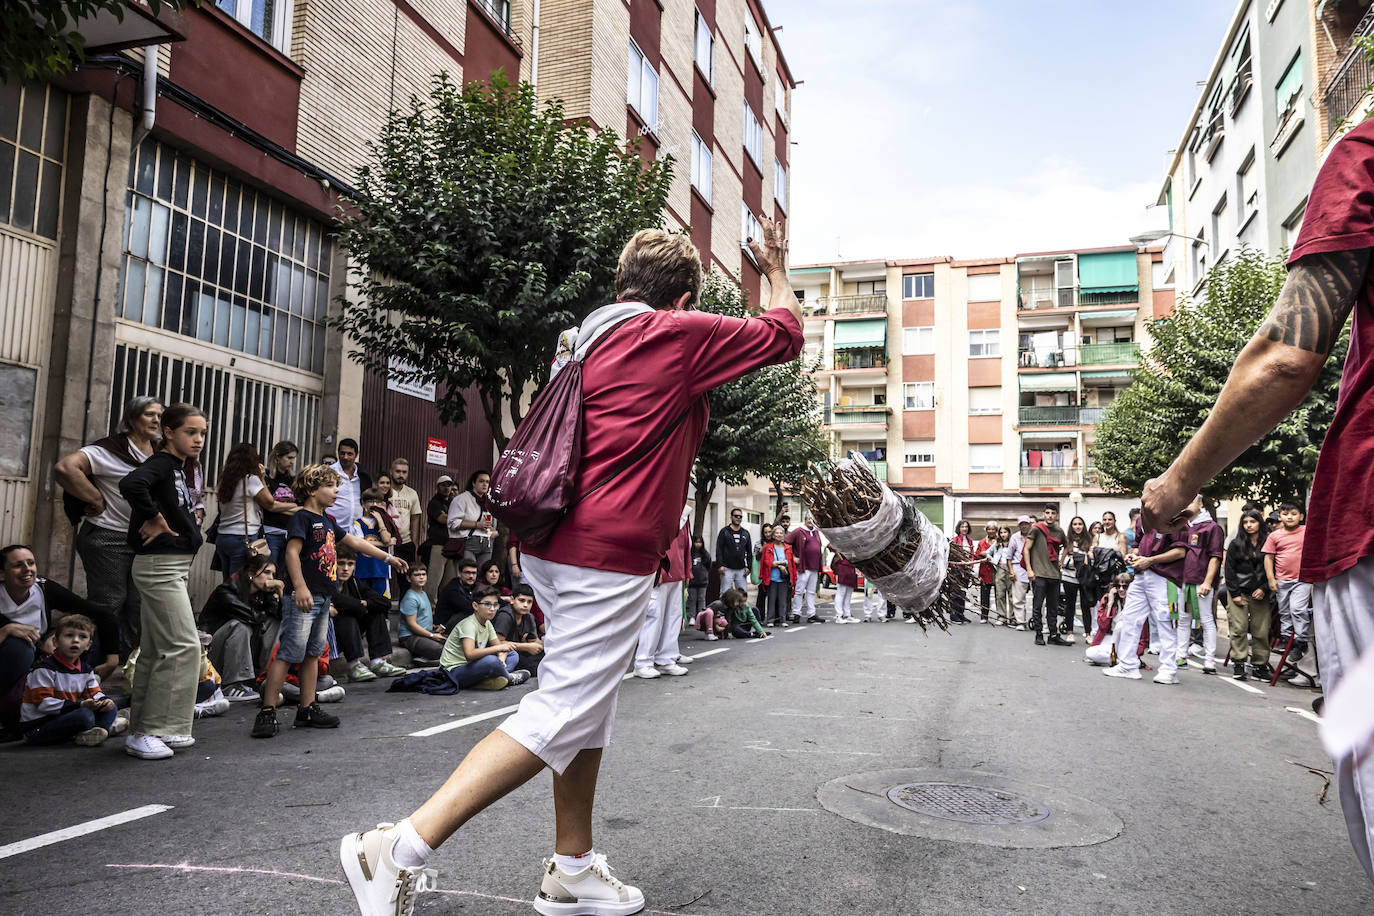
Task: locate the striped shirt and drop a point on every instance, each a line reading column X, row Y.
column 56, row 686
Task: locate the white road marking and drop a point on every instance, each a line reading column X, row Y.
column 797, row 628
column 1309, row 716
column 817, row 715
column 71, row 833
column 459, row 723
column 1242, row 685
column 715, row 803
column 707, row 653
column 768, row 746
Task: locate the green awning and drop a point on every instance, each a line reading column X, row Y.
column 1108, row 373
column 865, row 332
column 1050, row 381
column 1108, row 272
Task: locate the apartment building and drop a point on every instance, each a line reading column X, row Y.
column 973, row 386
column 1343, row 77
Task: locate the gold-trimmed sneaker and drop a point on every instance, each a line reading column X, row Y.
column 380, row 886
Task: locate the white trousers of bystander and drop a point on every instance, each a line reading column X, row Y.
column 875, row 605
column 843, row 595
column 1148, row 599
column 593, row 618
column 1344, row 629
column 662, row 624
column 805, row 592
column 1206, row 609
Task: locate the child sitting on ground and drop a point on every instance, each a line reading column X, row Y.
column 62, row 697
column 711, row 619
column 474, row 656
column 419, row 634
column 515, row 623
column 741, row 621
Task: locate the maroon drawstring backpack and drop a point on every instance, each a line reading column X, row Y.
column 534, row 483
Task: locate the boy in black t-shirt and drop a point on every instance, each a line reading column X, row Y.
column 311, row 539
column 515, row 624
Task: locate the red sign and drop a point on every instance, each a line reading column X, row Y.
column 436, row 452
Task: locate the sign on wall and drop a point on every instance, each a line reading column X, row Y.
column 436, row 451
column 421, row 390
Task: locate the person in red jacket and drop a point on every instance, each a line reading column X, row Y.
column 778, row 569
column 657, row 652
column 846, row 580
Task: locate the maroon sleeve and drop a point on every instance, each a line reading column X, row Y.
column 1340, row 210
column 717, row 348
column 1216, row 542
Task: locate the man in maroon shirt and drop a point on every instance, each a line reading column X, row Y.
column 1328, row 278
column 647, row 384
column 806, row 548
column 1158, row 561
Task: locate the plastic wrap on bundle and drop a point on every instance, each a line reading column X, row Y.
column 917, row 586
column 871, row 536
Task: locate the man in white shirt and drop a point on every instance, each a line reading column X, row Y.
column 353, row 480
column 1016, row 546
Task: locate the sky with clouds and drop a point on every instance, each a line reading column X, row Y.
column 986, row 127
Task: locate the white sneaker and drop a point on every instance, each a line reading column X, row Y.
column 1130, row 674
column 146, row 747
column 674, row 670
column 380, row 886
column 647, row 671
column 1020, row 628
column 685, row 660
column 121, row 723
column 217, row 705
column 177, row 742
column 330, row 694
column 1162, row 678
column 593, row 891
column 711, row 637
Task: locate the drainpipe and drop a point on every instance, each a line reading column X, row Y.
column 534, row 49
column 148, row 110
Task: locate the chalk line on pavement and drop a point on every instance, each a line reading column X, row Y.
column 76, row 830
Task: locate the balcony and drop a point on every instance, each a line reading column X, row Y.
column 1059, row 478
column 1047, row 416
column 861, row 358
column 1131, row 297
column 1111, row 354
column 867, row 304
column 859, row 415
column 1044, row 298
column 1351, row 79
column 1047, row 359
column 879, row 469
column 1090, row 416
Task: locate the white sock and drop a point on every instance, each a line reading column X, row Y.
column 410, row 851
column 572, row 864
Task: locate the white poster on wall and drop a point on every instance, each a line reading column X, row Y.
column 422, row 390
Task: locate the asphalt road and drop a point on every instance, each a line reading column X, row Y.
column 711, row 801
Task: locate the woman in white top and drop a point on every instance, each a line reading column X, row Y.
column 1111, row 536
column 243, row 497
column 469, row 517
column 90, row 482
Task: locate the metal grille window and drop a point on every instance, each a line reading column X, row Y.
column 33, row 138
column 211, row 258
column 237, row 408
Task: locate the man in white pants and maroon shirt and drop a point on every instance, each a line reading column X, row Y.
column 594, row 576
column 1328, row 277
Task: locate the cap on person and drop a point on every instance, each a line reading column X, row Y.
column 1025, row 520
column 443, row 479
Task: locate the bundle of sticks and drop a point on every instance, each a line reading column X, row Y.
column 895, row 546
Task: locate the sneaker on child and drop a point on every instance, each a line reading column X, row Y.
column 265, row 725
column 360, row 673
column 594, row 889
column 313, row 716
column 240, row 693
column 383, row 668
column 519, row 677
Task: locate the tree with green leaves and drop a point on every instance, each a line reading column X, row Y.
column 766, row 424
column 1181, row 376
column 486, row 225
column 42, row 38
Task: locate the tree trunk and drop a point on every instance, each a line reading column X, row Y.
column 701, row 495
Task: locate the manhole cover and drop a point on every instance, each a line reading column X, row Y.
column 967, row 804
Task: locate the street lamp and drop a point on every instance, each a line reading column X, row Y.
column 1154, row 235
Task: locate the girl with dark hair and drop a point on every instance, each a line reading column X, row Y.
column 243, row 498
column 90, row 482
column 1075, row 573
column 1251, row 603
column 1002, row 577
column 165, row 536
column 701, row 578
column 280, row 474
column 963, row 536
column 470, row 522
column 242, row 616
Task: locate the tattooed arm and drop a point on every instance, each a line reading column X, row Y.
column 1275, row 371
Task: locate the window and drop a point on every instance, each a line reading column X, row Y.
column 918, row 453
column 870, row 287
column 985, row 400
column 33, row 138
column 1289, row 89
column 1199, row 258
column 753, row 43
column 270, row 20
column 984, row 343
column 701, row 167
column 641, row 87
column 208, row 257
column 750, row 227
column 918, row 395
column 779, row 183
column 753, row 136
column 1247, row 194
column 498, row 10
column 918, row 286
column 985, row 459
column 985, row 288
column 1218, row 214
column 918, row 341
column 780, row 98
column 704, row 49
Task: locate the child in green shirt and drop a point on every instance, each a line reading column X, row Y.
column 474, row 656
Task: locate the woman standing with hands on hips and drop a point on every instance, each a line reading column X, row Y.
column 165, row 537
